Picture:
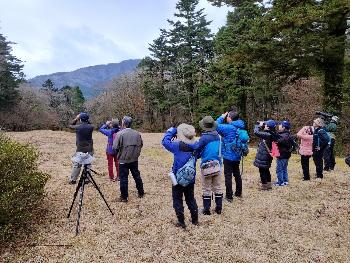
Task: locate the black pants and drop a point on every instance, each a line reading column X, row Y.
column 177, row 192
column 329, row 158
column 305, row 165
column 232, row 168
column 318, row 160
column 124, row 180
column 265, row 175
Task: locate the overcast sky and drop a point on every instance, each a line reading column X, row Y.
column 64, row 35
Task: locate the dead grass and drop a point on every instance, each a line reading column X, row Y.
column 304, row 222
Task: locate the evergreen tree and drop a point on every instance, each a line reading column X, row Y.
column 10, row 75
column 49, row 85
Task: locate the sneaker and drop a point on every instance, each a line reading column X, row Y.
column 218, row 211
column 285, row 183
column 141, row 195
column 72, row 182
column 319, row 179
column 306, row 179
column 278, row 184
column 195, row 223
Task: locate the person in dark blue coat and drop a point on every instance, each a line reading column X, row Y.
column 175, row 141
column 321, row 141
column 110, row 128
column 266, row 131
column 230, row 131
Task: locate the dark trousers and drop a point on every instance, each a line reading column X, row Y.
column 177, row 192
column 124, row 180
column 265, row 175
column 232, row 168
column 329, row 158
column 318, row 160
column 305, row 165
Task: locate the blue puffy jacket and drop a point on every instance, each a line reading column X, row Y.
column 109, row 133
column 208, row 146
column 182, row 152
column 229, row 132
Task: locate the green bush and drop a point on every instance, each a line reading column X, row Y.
column 21, row 184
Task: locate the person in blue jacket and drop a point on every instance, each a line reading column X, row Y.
column 175, row 140
column 110, row 128
column 208, row 148
column 231, row 131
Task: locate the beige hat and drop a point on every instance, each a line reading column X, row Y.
column 318, row 122
column 186, row 133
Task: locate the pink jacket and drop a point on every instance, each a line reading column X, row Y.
column 306, row 141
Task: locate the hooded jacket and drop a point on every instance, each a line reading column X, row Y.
column 229, row 132
column 182, row 152
column 286, row 144
column 306, row 140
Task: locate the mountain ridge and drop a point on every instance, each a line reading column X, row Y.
column 90, row 79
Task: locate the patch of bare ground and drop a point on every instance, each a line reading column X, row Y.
column 304, row 222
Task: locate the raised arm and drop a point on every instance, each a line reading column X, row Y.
column 167, row 142
column 261, row 134
column 104, row 130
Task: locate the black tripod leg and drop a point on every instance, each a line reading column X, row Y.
column 75, row 195
column 80, row 206
column 98, row 189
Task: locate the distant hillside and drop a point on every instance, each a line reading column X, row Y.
column 91, row 79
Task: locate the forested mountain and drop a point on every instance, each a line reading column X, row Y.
column 91, row 80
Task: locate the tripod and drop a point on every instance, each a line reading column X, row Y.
column 85, row 178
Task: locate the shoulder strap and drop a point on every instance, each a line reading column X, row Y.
column 267, row 147
column 220, row 155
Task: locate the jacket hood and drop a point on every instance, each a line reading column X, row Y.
column 238, row 123
column 305, row 130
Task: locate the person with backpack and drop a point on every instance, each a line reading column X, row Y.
column 329, row 158
column 128, row 144
column 286, row 145
column 175, row 140
column 110, row 128
column 84, row 142
column 235, row 137
column 306, row 139
column 208, row 148
column 321, row 141
column 266, row 131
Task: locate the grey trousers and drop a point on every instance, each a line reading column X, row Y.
column 76, row 170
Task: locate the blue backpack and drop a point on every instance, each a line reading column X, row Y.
column 238, row 146
column 185, row 175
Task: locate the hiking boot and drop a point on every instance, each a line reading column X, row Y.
column 72, row 182
column 269, row 186
column 122, row 200
column 181, row 225
column 264, row 187
column 206, row 205
column 141, row 195
column 194, row 217
column 218, row 202
column 228, row 199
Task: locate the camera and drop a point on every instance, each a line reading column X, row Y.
column 261, row 124
column 327, row 117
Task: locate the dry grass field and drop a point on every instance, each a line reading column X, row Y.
column 304, row 222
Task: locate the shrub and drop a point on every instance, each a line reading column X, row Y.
column 21, row 184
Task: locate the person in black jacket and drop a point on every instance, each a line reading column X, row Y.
column 286, row 145
column 319, row 145
column 267, row 132
column 84, row 142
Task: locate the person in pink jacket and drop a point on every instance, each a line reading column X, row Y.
column 305, row 150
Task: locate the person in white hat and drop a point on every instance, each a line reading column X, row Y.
column 175, row 140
